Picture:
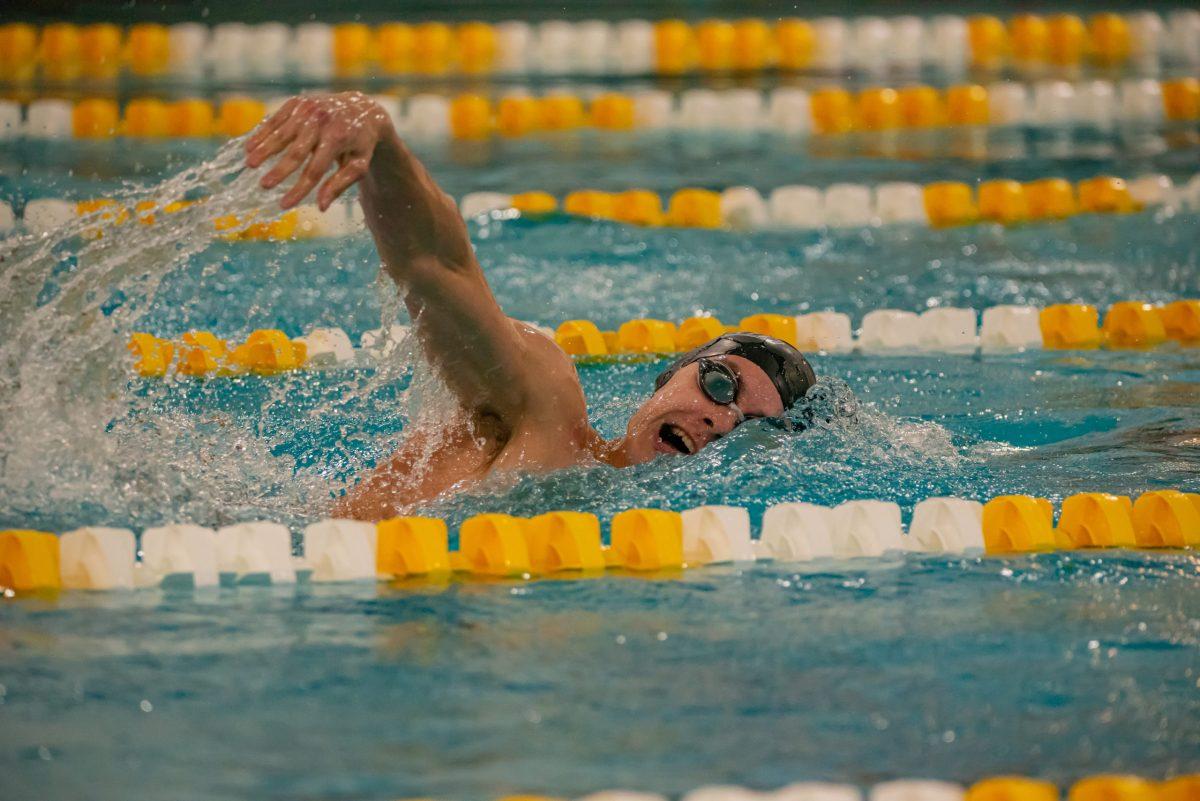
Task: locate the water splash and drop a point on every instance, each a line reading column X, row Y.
column 80, row 442
column 758, row 464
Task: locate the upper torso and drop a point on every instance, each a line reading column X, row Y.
column 552, row 433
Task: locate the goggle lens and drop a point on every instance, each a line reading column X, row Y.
column 718, row 382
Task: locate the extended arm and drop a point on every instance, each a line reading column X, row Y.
column 421, row 238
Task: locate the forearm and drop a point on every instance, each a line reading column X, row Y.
column 424, row 246
column 421, row 238
column 416, row 226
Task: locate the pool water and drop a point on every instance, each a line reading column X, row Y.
column 953, row 667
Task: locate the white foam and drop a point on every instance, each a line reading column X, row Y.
column 380, row 346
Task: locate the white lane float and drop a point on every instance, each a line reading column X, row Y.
column 950, row 525
column 715, row 534
column 947, row 329
column 1010, row 328
column 327, row 347
column 256, row 552
column 340, row 550
column 97, row 558
column 867, row 528
column 797, row 532
column 179, row 550
column 888, row 330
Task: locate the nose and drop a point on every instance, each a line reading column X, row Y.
column 723, row 420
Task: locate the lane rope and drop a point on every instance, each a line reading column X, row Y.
column 569, row 544
column 65, row 53
column 516, row 113
column 939, row 204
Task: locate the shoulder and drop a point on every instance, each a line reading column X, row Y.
column 554, row 381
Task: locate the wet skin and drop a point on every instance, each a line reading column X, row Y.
column 523, row 408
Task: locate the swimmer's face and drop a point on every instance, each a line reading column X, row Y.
column 679, row 419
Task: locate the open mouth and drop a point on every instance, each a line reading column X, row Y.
column 675, row 437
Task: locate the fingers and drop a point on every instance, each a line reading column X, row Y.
column 351, row 171
column 313, row 172
column 281, row 137
column 295, row 155
column 271, row 124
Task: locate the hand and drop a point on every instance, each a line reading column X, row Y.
column 319, row 130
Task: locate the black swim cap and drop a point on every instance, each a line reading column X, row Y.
column 787, row 368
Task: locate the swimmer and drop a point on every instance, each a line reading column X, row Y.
column 524, row 407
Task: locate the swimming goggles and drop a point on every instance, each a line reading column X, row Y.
column 720, row 384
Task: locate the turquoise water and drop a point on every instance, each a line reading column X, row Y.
column 1058, row 665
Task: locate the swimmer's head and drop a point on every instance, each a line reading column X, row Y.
column 709, row 391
